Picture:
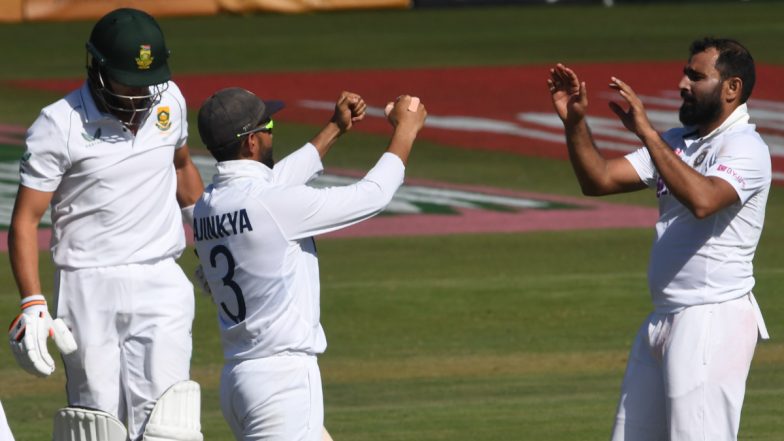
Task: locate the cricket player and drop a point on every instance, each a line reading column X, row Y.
column 110, row 160
column 686, row 374
column 254, row 229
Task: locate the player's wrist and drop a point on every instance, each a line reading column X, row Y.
column 336, row 128
column 648, row 134
column 33, row 301
column 405, row 132
column 574, row 121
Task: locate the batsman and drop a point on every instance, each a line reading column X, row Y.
column 111, row 162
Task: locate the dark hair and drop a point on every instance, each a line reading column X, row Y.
column 228, row 152
column 734, row 61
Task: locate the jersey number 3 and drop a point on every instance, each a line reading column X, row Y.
column 228, row 281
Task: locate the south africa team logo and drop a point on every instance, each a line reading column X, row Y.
column 145, row 57
column 164, row 121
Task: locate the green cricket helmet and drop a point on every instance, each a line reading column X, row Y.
column 127, row 47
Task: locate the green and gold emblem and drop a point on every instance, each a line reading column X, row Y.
column 164, row 123
column 145, row 57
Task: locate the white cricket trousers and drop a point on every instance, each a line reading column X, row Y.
column 275, row 398
column 5, row 431
column 133, row 327
column 686, row 375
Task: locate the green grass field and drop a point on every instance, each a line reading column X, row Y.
column 470, row 337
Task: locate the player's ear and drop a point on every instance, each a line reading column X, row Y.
column 733, row 87
column 247, row 148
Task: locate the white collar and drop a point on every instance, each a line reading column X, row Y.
column 228, row 170
column 738, row 116
column 91, row 112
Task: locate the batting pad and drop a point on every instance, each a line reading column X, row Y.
column 176, row 415
column 73, row 424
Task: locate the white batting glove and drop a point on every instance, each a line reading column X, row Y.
column 28, row 332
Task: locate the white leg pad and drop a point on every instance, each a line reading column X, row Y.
column 325, row 435
column 176, row 415
column 74, row 424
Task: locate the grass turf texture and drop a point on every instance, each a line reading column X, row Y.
column 464, row 337
column 519, row 337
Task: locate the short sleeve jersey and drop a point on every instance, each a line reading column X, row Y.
column 253, row 228
column 114, row 193
column 698, row 261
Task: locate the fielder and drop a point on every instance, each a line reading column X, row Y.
column 254, row 229
column 111, row 160
column 686, row 375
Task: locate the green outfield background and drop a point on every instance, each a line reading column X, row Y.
column 469, row 337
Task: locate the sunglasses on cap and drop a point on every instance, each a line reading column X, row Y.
column 264, row 126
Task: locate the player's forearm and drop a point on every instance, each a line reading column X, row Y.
column 189, row 185
column 402, row 142
column 695, row 191
column 324, row 140
column 589, row 165
column 23, row 252
column 342, row 206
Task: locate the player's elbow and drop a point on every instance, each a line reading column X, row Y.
column 384, row 199
column 591, row 191
column 379, row 196
column 592, row 184
column 591, row 188
column 706, row 205
column 703, row 207
column 702, row 211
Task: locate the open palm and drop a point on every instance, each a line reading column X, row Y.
column 568, row 94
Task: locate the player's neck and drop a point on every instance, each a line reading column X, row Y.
column 707, row 128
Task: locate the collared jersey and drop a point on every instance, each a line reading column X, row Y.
column 253, row 228
column 697, row 261
column 114, row 193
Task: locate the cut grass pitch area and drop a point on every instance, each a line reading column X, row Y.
column 471, row 337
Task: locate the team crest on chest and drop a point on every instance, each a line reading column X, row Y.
column 164, row 119
column 145, row 57
column 700, row 158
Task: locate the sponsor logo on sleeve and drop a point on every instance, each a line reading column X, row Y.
column 24, row 163
column 735, row 175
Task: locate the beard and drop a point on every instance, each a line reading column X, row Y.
column 266, row 158
column 696, row 111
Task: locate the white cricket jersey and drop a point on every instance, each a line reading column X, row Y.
column 697, row 261
column 114, row 193
column 253, row 229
